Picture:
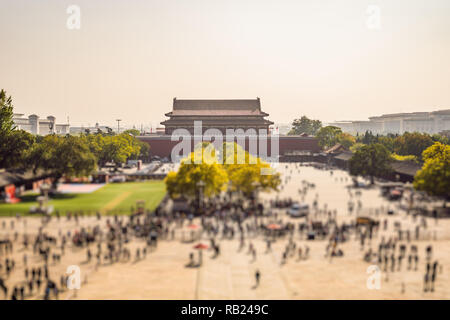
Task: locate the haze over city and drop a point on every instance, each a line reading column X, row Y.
column 130, row 58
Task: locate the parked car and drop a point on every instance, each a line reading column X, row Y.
column 118, row 179
column 298, row 210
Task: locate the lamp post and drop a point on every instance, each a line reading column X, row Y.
column 43, row 200
column 201, row 186
column 45, row 188
column 255, row 185
column 118, row 125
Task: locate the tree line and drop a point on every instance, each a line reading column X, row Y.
column 373, row 154
column 410, row 144
column 63, row 155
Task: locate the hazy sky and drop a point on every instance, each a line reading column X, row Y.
column 313, row 57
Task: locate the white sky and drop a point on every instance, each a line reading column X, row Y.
column 313, row 57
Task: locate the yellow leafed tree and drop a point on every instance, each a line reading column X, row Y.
column 244, row 172
column 200, row 165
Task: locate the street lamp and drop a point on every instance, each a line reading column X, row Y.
column 45, row 188
column 43, row 200
column 255, row 185
column 118, row 125
column 201, row 185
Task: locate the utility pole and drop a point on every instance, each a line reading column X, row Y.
column 118, row 125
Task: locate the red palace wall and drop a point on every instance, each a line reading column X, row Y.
column 162, row 145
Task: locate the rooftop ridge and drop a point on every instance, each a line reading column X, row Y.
column 216, row 104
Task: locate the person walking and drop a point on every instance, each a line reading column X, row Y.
column 268, row 246
column 433, row 275
column 88, row 255
column 426, row 279
column 257, row 277
column 429, row 252
column 254, row 254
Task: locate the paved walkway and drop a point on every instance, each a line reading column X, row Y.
column 163, row 273
column 232, row 275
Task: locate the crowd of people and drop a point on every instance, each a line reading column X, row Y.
column 106, row 240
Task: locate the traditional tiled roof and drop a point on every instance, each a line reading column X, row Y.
column 345, row 156
column 241, row 107
column 335, row 149
column 409, row 168
column 221, row 112
column 218, row 121
column 217, row 112
column 232, row 104
column 442, row 112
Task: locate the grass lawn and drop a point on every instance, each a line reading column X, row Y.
column 112, row 198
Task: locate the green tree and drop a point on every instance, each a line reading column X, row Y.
column 387, row 141
column 370, row 160
column 141, row 150
column 95, row 143
column 346, row 140
column 440, row 138
column 6, row 114
column 305, row 125
column 116, row 148
column 356, row 146
column 14, row 144
column 328, row 136
column 15, row 148
column 63, row 156
column 434, row 177
column 368, row 138
column 144, row 153
column 412, row 144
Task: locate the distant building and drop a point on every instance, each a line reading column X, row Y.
column 425, row 122
column 160, row 130
column 95, row 129
column 242, row 114
column 34, row 125
column 155, row 131
column 218, row 114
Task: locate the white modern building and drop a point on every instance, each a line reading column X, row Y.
column 425, row 122
column 35, row 125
